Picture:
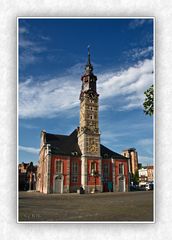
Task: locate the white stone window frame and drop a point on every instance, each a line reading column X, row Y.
column 61, row 167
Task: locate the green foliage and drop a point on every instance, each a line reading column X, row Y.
column 149, row 101
column 136, row 178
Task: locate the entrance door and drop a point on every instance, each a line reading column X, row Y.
column 121, row 184
column 58, row 188
column 105, row 187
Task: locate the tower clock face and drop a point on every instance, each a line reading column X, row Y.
column 93, row 148
column 92, row 125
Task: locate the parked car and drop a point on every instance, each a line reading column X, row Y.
column 134, row 188
column 142, row 187
column 149, row 186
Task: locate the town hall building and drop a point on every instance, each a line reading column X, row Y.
column 69, row 163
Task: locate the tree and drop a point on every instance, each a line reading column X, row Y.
column 149, row 101
column 136, row 178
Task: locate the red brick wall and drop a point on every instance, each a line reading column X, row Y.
column 91, row 179
column 64, row 159
column 65, row 173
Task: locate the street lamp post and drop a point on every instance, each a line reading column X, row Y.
column 95, row 174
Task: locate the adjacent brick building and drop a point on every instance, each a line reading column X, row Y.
column 131, row 153
column 27, row 176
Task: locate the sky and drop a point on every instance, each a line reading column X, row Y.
column 52, row 54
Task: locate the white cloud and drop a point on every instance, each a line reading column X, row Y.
column 77, row 68
column 146, row 142
column 114, row 135
column 23, row 30
column 129, row 85
column 28, row 58
column 61, row 94
column 103, row 107
column 47, row 98
column 29, row 149
column 146, row 145
column 145, row 160
column 46, row 38
column 25, row 43
column 30, row 49
column 28, row 126
column 137, row 53
column 135, row 23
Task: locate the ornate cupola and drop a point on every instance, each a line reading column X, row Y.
column 88, row 79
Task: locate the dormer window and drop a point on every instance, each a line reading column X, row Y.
column 74, row 153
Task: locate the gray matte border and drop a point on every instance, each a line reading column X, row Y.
column 162, row 10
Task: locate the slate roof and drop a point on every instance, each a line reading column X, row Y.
column 107, row 153
column 68, row 145
column 63, row 144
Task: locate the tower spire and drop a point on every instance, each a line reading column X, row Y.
column 89, row 67
column 89, row 62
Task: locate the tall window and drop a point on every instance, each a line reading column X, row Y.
column 74, row 167
column 121, row 169
column 74, row 176
column 58, row 167
column 106, row 169
column 93, row 167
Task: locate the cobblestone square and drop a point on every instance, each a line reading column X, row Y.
column 127, row 206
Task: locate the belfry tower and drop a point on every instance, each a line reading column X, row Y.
column 88, row 132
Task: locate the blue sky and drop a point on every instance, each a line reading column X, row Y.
column 52, row 56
